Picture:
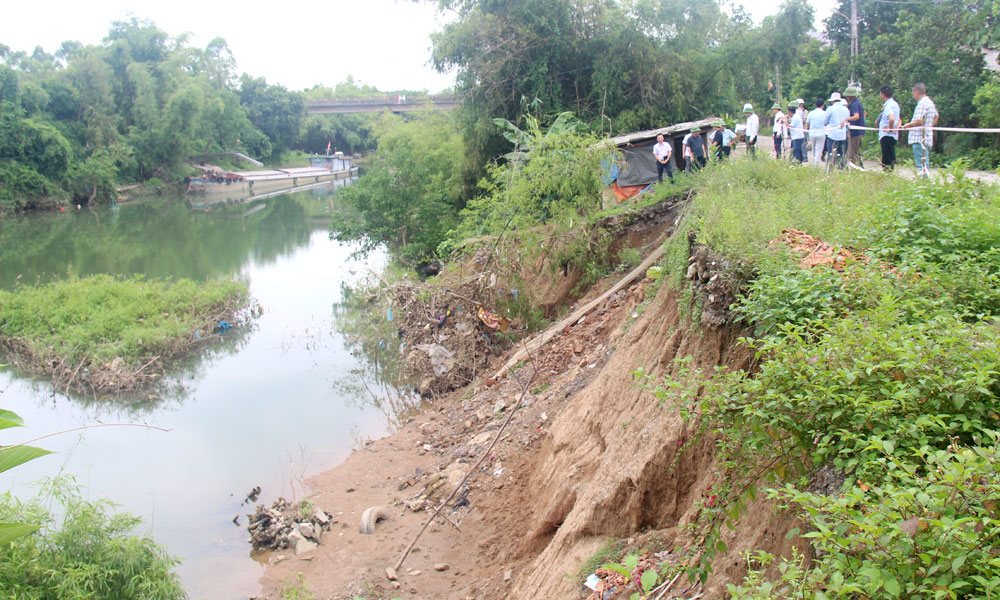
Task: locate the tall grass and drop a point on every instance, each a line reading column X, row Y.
column 85, row 550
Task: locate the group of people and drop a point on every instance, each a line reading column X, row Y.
column 696, row 149
column 834, row 129
column 836, row 126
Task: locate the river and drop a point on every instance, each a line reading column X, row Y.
column 270, row 406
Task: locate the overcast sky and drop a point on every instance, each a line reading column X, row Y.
column 298, row 44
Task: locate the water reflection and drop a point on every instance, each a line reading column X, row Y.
column 268, row 406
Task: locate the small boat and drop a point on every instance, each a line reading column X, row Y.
column 251, row 183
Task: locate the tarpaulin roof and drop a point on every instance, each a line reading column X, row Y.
column 672, row 130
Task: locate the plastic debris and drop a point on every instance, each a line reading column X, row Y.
column 197, row 334
column 491, row 320
column 223, row 327
column 444, row 317
column 388, row 314
column 442, row 359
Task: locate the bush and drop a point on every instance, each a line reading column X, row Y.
column 410, row 194
column 931, row 531
column 848, row 391
column 557, row 180
column 84, row 551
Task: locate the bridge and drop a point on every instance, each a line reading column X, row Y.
column 392, row 103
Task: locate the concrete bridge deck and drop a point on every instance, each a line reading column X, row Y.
column 391, row 103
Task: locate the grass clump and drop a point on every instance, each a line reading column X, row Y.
column 88, row 551
column 109, row 334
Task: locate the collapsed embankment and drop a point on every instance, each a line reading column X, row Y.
column 872, row 409
column 590, row 454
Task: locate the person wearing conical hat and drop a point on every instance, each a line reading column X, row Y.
column 836, row 125
column 856, row 120
column 780, row 129
column 752, row 128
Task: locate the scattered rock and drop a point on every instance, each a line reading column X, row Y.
column 500, row 406
column 441, row 567
column 272, row 528
column 415, row 572
column 390, row 574
column 507, row 575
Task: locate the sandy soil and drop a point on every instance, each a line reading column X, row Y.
column 482, row 558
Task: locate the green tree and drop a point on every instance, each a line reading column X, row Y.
column 411, row 193
column 273, row 110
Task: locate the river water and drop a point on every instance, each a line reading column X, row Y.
column 270, row 406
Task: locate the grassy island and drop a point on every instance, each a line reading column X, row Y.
column 106, row 334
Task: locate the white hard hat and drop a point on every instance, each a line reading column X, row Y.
column 834, row 97
column 800, row 101
column 747, row 107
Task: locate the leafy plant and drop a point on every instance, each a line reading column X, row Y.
column 84, row 550
column 930, row 531
column 10, row 457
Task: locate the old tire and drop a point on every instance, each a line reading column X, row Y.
column 371, row 517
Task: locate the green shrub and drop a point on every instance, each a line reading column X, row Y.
column 792, row 296
column 930, row 531
column 85, row 550
column 847, row 391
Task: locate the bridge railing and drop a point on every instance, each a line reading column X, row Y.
column 380, row 101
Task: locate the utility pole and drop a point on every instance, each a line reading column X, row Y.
column 854, row 35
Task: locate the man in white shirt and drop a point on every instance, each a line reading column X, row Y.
column 796, row 131
column 780, row 129
column 888, row 127
column 753, row 128
column 836, row 123
column 663, row 152
column 816, row 124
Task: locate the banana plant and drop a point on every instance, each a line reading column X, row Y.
column 10, row 457
column 531, row 136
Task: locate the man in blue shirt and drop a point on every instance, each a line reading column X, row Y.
column 836, row 123
column 857, row 119
column 694, row 150
column 722, row 140
column 888, row 127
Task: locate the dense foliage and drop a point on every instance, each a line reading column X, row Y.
column 412, row 189
column 75, row 123
column 880, row 377
column 84, row 550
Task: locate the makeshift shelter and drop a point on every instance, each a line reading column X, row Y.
column 637, row 168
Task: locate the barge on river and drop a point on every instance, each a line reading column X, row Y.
column 252, row 183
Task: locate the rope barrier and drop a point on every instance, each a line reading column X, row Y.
column 919, row 128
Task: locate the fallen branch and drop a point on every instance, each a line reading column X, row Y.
column 553, row 330
column 82, row 427
column 666, row 587
column 475, row 467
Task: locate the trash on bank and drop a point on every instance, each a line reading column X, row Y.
column 442, row 359
column 491, row 320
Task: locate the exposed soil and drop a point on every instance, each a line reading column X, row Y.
column 589, row 454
